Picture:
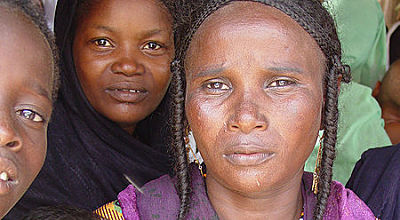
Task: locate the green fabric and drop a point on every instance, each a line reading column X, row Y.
column 361, row 30
column 360, row 128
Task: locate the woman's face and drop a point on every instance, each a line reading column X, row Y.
column 254, row 96
column 122, row 50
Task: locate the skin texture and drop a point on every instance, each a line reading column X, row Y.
column 387, row 94
column 124, row 45
column 254, row 89
column 25, row 104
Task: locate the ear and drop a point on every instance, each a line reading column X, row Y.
column 339, row 82
column 377, row 89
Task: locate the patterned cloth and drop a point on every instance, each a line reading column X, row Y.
column 110, row 211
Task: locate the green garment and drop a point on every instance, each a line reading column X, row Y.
column 360, row 128
column 361, row 30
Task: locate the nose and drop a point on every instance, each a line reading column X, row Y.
column 247, row 118
column 127, row 64
column 9, row 137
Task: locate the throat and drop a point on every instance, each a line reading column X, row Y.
column 230, row 204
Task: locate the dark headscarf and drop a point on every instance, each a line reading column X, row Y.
column 87, row 153
column 376, row 180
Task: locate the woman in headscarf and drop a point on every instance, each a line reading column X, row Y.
column 108, row 121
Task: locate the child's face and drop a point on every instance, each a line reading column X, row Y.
column 26, row 65
column 122, row 51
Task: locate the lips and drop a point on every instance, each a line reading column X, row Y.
column 8, row 175
column 127, row 92
column 247, row 154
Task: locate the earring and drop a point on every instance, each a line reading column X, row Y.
column 317, row 166
column 190, row 150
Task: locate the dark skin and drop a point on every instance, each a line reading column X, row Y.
column 122, row 50
column 26, row 66
column 387, row 94
column 253, row 101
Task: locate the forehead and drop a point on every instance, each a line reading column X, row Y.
column 131, row 12
column 24, row 53
column 254, row 27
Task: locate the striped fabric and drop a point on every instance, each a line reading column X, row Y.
column 110, row 211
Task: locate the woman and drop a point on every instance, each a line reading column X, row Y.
column 254, row 81
column 107, row 123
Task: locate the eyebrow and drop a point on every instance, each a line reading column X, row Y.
column 209, row 72
column 284, row 69
column 150, row 33
column 41, row 90
column 144, row 34
column 106, row 28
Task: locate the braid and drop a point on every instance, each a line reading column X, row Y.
column 183, row 185
column 316, row 21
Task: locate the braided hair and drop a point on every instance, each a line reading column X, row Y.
column 316, row 21
column 32, row 11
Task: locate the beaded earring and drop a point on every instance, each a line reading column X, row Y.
column 317, row 166
column 189, row 150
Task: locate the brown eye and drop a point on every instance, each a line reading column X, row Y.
column 30, row 115
column 152, row 46
column 280, row 83
column 102, row 43
column 217, row 86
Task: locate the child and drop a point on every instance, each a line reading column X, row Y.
column 28, row 84
column 108, row 120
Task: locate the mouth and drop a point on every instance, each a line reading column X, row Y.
column 248, row 155
column 8, row 176
column 127, row 94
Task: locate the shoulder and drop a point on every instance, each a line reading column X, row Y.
column 373, row 164
column 342, row 203
column 376, row 180
column 345, row 204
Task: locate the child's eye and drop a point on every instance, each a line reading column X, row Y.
column 280, row 83
column 102, row 43
column 30, row 115
column 152, row 46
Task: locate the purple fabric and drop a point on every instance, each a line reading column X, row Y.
column 128, row 203
column 160, row 201
column 342, row 203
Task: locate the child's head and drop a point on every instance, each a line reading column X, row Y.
column 60, row 213
column 122, row 51
column 28, row 82
column 256, row 80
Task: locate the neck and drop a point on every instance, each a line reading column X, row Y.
column 285, row 202
column 128, row 128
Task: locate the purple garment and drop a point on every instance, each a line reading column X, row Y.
column 160, row 201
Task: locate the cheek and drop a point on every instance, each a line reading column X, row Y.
column 35, row 146
column 298, row 122
column 88, row 66
column 161, row 76
column 206, row 120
